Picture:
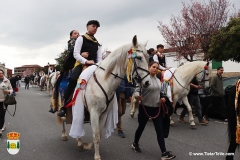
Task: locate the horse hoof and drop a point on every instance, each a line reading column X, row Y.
column 80, row 148
column 193, row 127
column 64, row 138
column 63, row 118
column 132, row 115
column 97, row 158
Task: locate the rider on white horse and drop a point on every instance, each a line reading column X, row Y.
column 161, row 58
column 51, row 70
column 41, row 74
column 163, row 66
column 87, row 51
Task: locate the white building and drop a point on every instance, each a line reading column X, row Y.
column 229, row 66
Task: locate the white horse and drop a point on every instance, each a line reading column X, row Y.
column 35, row 81
column 52, row 80
column 43, row 82
column 181, row 85
column 98, row 103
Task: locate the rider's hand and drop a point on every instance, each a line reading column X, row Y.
column 85, row 54
column 163, row 100
column 139, row 98
column 89, row 62
column 199, row 87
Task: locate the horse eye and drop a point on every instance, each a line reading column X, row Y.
column 139, row 57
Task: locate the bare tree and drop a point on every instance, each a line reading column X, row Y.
column 194, row 28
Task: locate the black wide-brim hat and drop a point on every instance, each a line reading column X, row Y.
column 93, row 22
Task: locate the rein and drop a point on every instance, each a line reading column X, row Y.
column 106, row 96
column 115, row 75
column 202, row 78
column 177, row 80
column 161, row 105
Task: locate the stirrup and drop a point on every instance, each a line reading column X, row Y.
column 61, row 113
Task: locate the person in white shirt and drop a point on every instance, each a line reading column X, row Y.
column 160, row 58
column 87, row 51
column 51, row 69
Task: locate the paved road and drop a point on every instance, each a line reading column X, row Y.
column 41, row 136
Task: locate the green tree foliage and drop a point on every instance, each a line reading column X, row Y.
column 60, row 59
column 225, row 45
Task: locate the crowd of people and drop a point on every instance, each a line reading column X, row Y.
column 85, row 51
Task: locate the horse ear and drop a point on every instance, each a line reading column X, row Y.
column 145, row 44
column 134, row 41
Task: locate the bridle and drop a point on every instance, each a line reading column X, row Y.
column 204, row 73
column 202, row 78
column 132, row 56
column 138, row 78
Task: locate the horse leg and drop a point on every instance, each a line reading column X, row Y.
column 189, row 108
column 102, row 122
column 132, row 105
column 64, row 135
column 96, row 132
column 174, row 104
column 84, row 146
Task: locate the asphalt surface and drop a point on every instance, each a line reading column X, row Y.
column 41, row 136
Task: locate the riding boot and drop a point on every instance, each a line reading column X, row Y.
column 62, row 112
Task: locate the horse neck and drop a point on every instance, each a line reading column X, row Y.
column 195, row 69
column 119, row 69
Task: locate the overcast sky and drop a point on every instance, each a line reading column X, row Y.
column 37, row 31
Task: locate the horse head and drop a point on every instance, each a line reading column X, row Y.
column 203, row 76
column 138, row 60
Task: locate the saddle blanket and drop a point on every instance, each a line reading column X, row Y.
column 77, row 128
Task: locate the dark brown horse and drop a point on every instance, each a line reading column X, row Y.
column 232, row 122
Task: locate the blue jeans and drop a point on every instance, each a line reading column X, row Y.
column 193, row 101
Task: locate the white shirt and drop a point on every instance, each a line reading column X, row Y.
column 155, row 58
column 51, row 70
column 77, row 49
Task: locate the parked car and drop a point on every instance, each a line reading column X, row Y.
column 205, row 99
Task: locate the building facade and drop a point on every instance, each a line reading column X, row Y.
column 26, row 70
column 9, row 72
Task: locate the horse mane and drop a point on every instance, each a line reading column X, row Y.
column 188, row 67
column 117, row 57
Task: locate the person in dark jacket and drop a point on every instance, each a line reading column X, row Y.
column 194, row 100
column 217, row 94
column 13, row 82
column 26, row 80
column 123, row 93
column 151, row 53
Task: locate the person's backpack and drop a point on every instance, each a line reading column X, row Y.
column 69, row 61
